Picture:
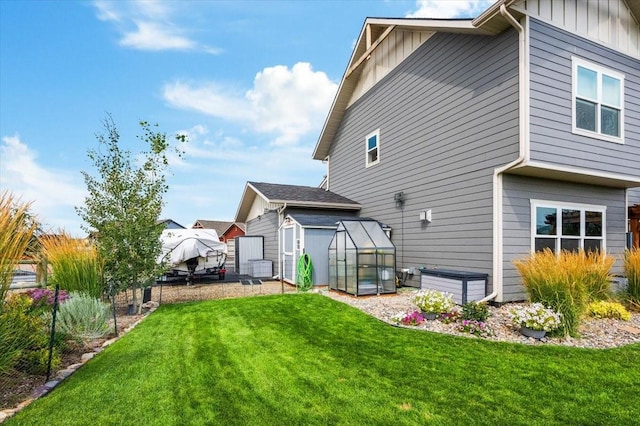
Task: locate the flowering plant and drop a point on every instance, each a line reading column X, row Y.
column 477, row 328
column 434, row 301
column 536, row 317
column 450, row 317
column 409, row 318
column 44, row 297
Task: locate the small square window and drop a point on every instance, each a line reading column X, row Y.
column 372, row 147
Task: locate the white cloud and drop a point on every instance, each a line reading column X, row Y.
column 287, row 103
column 54, row 192
column 155, row 36
column 148, row 25
column 446, row 9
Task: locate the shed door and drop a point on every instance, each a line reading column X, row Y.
column 287, row 254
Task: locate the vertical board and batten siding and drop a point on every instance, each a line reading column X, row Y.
column 448, row 115
column 606, row 21
column 267, row 226
column 552, row 140
column 393, row 50
column 518, row 191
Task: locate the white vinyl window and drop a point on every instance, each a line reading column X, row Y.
column 372, row 148
column 598, row 101
column 570, row 227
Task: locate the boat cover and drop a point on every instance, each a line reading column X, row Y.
column 179, row 245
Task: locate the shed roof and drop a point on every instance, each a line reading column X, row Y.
column 218, row 225
column 292, row 196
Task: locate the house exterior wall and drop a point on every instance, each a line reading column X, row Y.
column 518, row 191
column 232, row 232
column 605, row 21
column 448, row 115
column 267, row 226
column 551, row 137
column 633, row 195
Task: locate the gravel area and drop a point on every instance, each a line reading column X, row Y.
column 594, row 333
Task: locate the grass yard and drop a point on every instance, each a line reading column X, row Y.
column 308, row 360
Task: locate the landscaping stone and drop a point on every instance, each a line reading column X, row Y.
column 594, row 333
column 86, row 357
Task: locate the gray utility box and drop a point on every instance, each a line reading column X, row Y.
column 261, row 268
column 465, row 286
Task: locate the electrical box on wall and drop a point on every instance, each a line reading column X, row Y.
column 425, row 215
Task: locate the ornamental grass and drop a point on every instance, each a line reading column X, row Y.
column 16, row 231
column 632, row 271
column 76, row 264
column 566, row 282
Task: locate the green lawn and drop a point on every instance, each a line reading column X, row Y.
column 305, row 359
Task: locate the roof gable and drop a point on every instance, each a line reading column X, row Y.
column 378, row 31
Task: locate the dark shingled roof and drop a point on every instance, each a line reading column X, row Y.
column 295, row 193
column 323, row 219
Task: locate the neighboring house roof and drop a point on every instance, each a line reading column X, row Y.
column 291, row 196
column 221, row 227
column 376, row 30
column 170, row 222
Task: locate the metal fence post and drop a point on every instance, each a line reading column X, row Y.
column 53, row 331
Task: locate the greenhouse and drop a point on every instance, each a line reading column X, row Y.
column 362, row 259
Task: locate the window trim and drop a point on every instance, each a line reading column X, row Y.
column 559, row 206
column 600, row 70
column 368, row 163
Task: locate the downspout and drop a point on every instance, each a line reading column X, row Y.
column 523, row 106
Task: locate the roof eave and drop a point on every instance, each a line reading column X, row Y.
column 319, row 204
column 342, row 97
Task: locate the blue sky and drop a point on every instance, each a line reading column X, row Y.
column 250, row 83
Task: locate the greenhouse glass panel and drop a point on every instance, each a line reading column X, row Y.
column 362, row 259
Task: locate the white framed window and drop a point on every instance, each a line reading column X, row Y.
column 567, row 226
column 598, row 101
column 372, row 148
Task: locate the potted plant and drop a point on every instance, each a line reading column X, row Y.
column 433, row 302
column 535, row 320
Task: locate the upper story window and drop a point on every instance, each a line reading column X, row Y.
column 569, row 227
column 372, row 148
column 598, row 101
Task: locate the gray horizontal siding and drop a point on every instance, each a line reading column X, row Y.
column 518, row 191
column 267, row 226
column 552, row 142
column 633, row 195
column 448, row 115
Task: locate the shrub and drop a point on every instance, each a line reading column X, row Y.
column 603, row 309
column 433, row 301
column 16, row 230
column 76, row 264
column 566, row 282
column 475, row 311
column 82, row 317
column 632, row 271
column 22, row 332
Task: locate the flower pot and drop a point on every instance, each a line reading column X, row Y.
column 430, row 316
column 536, row 334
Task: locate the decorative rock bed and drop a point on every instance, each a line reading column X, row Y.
column 594, row 333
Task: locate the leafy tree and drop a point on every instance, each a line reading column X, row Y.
column 124, row 204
